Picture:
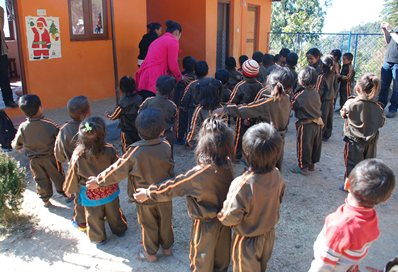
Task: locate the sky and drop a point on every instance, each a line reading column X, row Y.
column 344, row 14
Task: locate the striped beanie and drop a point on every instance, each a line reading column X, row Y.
column 250, row 68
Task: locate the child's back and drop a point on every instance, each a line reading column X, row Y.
column 307, row 105
column 66, row 141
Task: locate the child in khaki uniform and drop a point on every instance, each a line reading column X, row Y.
column 164, row 85
column 78, row 109
column 307, row 107
column 91, row 156
column 146, row 162
column 37, row 136
column 205, row 186
column 253, row 200
column 364, row 117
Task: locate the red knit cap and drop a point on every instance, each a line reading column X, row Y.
column 250, row 68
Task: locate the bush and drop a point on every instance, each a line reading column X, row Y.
column 12, row 186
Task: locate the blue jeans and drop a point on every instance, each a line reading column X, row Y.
column 389, row 72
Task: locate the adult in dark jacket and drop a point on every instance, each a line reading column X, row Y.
column 154, row 31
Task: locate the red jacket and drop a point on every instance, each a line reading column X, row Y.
column 162, row 59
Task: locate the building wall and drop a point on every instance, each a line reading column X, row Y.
column 86, row 67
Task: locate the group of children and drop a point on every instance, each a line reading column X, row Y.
column 232, row 218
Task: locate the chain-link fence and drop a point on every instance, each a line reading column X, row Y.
column 368, row 49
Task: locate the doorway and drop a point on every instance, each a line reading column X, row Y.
column 252, row 30
column 223, row 12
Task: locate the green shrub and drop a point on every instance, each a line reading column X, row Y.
column 12, row 186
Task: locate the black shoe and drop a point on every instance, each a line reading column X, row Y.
column 11, row 104
column 391, row 114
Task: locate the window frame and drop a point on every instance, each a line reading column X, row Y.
column 7, row 17
column 88, row 21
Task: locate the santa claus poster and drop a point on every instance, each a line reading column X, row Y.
column 44, row 40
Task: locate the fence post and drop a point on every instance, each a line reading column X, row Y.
column 355, row 49
column 349, row 42
column 342, row 43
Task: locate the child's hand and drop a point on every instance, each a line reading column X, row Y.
column 219, row 215
column 140, row 195
column 92, row 183
column 343, row 113
column 68, row 195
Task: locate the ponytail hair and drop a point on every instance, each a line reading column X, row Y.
column 279, row 80
column 173, row 26
column 91, row 136
column 369, row 85
column 327, row 63
column 153, row 26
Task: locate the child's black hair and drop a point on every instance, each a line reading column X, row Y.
column 258, row 56
column 153, row 26
column 277, row 57
column 127, row 85
column 91, row 136
column 336, row 53
column 173, row 26
column 262, row 147
column 209, row 90
column 150, row 123
column 314, row 52
column 292, row 59
column 284, row 52
column 348, row 56
column 242, row 59
column 188, row 63
column 268, row 60
column 371, row 182
column 201, row 69
column 327, row 63
column 29, row 104
column 165, row 85
column 308, row 76
column 215, row 143
column 223, row 76
column 230, row 63
column 78, row 107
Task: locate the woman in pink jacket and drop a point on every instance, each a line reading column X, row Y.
column 162, row 59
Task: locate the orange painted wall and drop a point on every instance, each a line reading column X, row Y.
column 86, row 67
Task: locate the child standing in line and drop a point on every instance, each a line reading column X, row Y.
column 347, row 76
column 222, row 76
column 188, row 63
column 253, row 200
column 148, row 162
column 291, row 63
column 91, row 156
column 336, row 53
column 262, row 73
column 307, row 107
column 269, row 64
column 283, row 53
column 205, row 186
column 272, row 107
column 242, row 60
column 189, row 100
column 37, row 136
column 364, row 117
column 78, row 109
column 127, row 111
column 164, row 86
column 234, row 76
column 245, row 92
column 327, row 88
column 314, row 59
column 349, row 232
column 209, row 99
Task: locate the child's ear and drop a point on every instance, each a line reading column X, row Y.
column 347, row 184
column 162, row 133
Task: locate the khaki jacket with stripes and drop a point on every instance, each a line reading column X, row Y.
column 145, row 163
column 199, row 116
column 189, row 99
column 37, row 136
column 166, row 106
column 364, row 118
column 245, row 91
column 307, row 105
column 253, row 202
column 83, row 166
column 66, row 140
column 205, row 187
column 268, row 109
column 127, row 111
column 327, row 86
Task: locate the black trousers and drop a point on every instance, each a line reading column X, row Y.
column 5, row 80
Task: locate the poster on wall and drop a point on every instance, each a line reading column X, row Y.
column 44, row 40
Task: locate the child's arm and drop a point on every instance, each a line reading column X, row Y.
column 194, row 127
column 59, row 149
column 71, row 184
column 253, row 110
column 115, row 114
column 234, row 207
column 17, row 143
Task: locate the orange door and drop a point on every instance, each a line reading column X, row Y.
column 252, row 30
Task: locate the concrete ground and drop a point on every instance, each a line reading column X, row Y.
column 50, row 243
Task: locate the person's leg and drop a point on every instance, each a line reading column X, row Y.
column 268, row 245
column 166, row 235
column 55, row 171
column 222, row 255
column 115, row 217
column 95, row 218
column 246, row 253
column 386, row 78
column 182, row 125
column 394, row 97
column 5, row 80
column 371, row 148
column 328, row 120
column 316, row 131
column 44, row 186
column 353, row 154
column 148, row 219
column 79, row 214
column 280, row 160
column 305, row 145
column 343, row 93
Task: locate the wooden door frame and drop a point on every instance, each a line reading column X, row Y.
column 18, row 39
column 256, row 25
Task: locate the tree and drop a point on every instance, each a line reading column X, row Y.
column 390, row 12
